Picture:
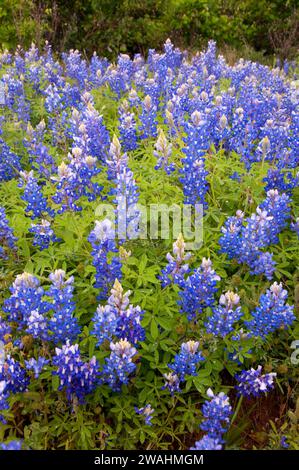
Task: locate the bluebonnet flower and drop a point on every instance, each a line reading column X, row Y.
column 66, row 184
column 148, row 118
column 235, row 176
column 207, row 443
column 118, row 319
column 4, row 395
column 36, row 365
column 14, row 375
column 230, row 241
column 177, row 267
column 283, row 442
column 195, row 185
column 172, row 382
column 37, row 325
column 116, row 161
column 5, row 329
column 163, row 151
column 245, row 239
column 76, row 67
column 223, row 317
column 62, row 324
column 76, row 377
column 198, row 290
column 125, row 190
column 43, row 234
column 108, row 268
column 127, row 128
column 280, row 180
column 216, row 413
column 40, row 157
column 128, row 213
column 9, row 162
column 7, row 238
column 264, row 264
column 37, row 205
column 119, row 366
column 252, row 382
column 272, row 312
column 26, row 296
column 277, row 206
column 295, row 226
column 185, row 363
column 88, row 130
column 147, row 412
column 12, row 445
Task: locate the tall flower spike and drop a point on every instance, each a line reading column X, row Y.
column 216, row 413
column 272, row 312
column 7, row 238
column 26, row 297
column 186, row 361
column 177, row 266
column 76, row 377
column 119, row 365
column 118, row 319
column 163, row 151
column 198, row 290
column 43, row 234
column 108, row 266
column 37, row 205
column 223, row 317
column 148, row 118
column 62, row 324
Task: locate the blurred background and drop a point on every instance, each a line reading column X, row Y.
column 257, row 29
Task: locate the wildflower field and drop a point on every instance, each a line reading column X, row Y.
column 113, row 338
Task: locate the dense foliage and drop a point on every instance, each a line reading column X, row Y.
column 120, row 342
column 114, row 26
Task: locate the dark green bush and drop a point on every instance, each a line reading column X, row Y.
column 113, row 26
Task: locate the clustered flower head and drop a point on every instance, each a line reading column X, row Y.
column 163, row 151
column 7, row 238
column 107, row 264
column 295, row 226
column 43, row 234
column 36, row 365
column 177, row 267
column 26, row 297
column 244, row 239
column 118, row 319
column 194, row 174
column 12, row 445
column 224, row 316
column 207, row 443
column 37, row 204
column 272, row 312
column 46, row 315
column 184, row 363
column 13, row 379
column 119, row 366
column 198, row 290
column 253, row 383
column 147, row 412
column 63, row 324
column 216, row 413
column 76, row 377
column 127, row 128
